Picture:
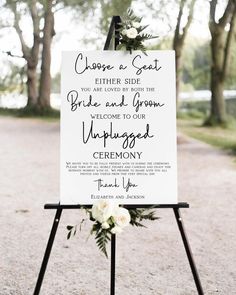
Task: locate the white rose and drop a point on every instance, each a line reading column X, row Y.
column 102, row 210
column 105, row 225
column 136, row 25
column 116, row 230
column 132, row 33
column 124, row 32
column 121, row 217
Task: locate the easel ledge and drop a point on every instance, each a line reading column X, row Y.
column 61, row 206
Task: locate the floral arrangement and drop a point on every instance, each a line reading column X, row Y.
column 109, row 218
column 131, row 36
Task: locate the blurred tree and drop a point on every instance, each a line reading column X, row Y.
column 12, row 80
column 41, row 13
column 45, row 76
column 178, row 26
column 230, row 83
column 196, row 65
column 110, row 8
column 50, row 7
column 201, row 66
column 30, row 54
column 221, row 39
column 56, row 81
column 180, row 36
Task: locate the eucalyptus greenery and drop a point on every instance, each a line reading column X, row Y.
column 103, row 235
column 131, row 33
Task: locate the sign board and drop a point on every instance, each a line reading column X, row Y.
column 118, row 127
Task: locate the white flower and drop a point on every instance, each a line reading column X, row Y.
column 121, row 217
column 105, row 225
column 116, row 230
column 136, row 25
column 132, row 33
column 102, row 210
column 124, row 32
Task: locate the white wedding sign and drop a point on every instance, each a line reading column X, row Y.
column 118, row 127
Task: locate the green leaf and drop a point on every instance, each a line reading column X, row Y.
column 102, row 238
column 143, row 28
column 136, row 223
column 80, row 225
column 69, row 235
column 138, row 215
column 120, row 46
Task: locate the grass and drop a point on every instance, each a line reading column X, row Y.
column 45, row 114
column 224, row 138
column 202, row 108
column 190, row 121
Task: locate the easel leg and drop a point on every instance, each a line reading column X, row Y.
column 48, row 251
column 113, row 264
column 188, row 251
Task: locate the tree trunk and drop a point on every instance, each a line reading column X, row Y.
column 30, row 54
column 221, row 40
column 45, row 77
column 179, row 39
column 218, row 110
column 32, row 89
column 178, row 68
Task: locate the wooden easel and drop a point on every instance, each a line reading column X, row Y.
column 114, row 27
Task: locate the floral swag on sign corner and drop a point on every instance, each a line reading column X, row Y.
column 131, row 33
column 107, row 217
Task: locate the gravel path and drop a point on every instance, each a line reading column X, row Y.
column 150, row 261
